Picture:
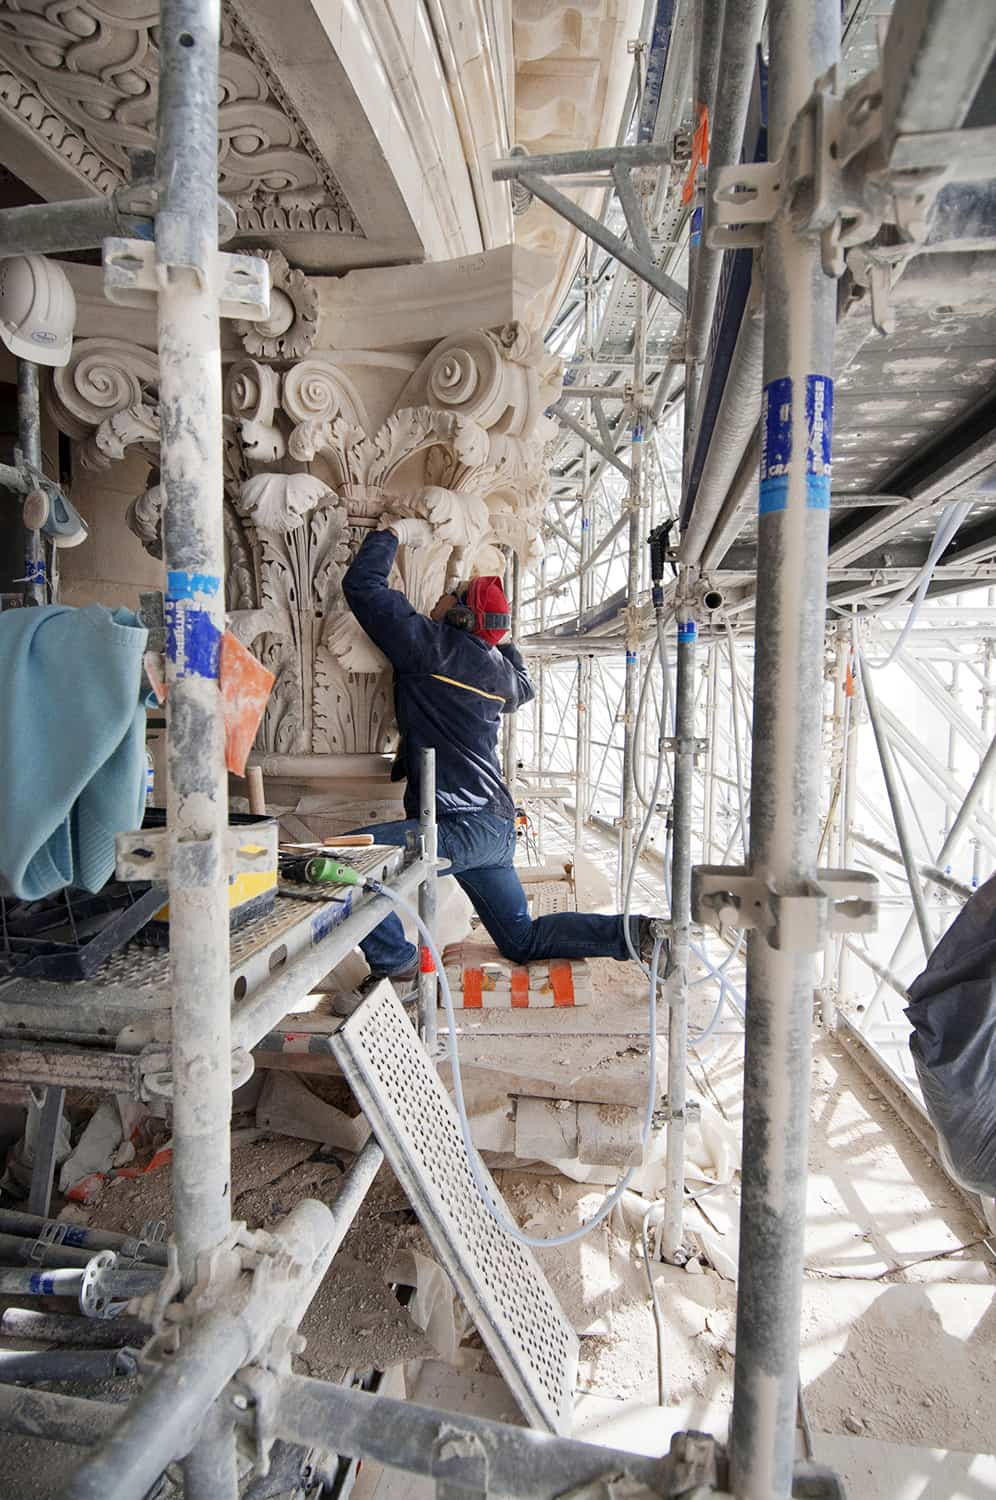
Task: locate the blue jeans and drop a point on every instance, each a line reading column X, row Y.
column 480, row 848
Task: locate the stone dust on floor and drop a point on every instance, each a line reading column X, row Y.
column 898, row 1316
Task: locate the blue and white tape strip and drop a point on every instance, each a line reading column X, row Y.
column 193, row 640
column 778, row 415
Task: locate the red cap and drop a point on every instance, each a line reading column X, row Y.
column 486, row 597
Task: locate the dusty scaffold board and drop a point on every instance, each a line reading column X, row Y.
column 500, row 1281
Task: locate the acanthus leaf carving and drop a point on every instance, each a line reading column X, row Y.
column 280, row 503
column 134, row 426
column 351, row 647
column 241, row 574
column 145, row 519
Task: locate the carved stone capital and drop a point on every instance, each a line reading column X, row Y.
column 308, row 475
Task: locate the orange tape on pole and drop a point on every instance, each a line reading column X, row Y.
column 700, row 154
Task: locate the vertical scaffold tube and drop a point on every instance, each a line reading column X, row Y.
column 29, row 442
column 631, row 747
column 511, row 728
column 582, row 747
column 672, row 1230
column 794, row 505
column 895, row 796
column 193, row 552
column 427, row 894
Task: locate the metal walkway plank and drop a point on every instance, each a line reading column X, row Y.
column 500, row 1281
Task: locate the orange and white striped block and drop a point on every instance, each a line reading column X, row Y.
column 481, row 979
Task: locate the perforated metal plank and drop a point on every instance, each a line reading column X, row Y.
column 502, row 1286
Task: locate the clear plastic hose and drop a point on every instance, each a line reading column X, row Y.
column 535, row 1242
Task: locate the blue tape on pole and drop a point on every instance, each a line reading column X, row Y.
column 638, row 433
column 819, row 435
column 34, row 571
column 585, row 524
column 776, row 443
column 193, row 640
column 686, row 632
column 42, row 1286
column 695, row 228
column 188, row 585
column 631, row 658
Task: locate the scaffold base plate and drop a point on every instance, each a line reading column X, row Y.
column 500, row 1281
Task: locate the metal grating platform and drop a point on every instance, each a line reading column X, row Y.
column 501, row 1284
column 134, row 984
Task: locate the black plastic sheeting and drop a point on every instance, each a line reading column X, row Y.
column 953, row 1014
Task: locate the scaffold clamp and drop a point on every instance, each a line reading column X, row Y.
column 132, row 272
column 794, row 919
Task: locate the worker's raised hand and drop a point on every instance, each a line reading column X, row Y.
column 410, row 530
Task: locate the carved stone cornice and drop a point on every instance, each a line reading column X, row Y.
column 84, row 76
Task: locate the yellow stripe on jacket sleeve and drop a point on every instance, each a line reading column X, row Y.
column 452, row 682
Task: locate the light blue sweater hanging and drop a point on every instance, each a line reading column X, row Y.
column 72, row 744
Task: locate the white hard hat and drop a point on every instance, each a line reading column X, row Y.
column 37, row 309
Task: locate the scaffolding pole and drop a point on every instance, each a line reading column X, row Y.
column 898, row 809
column 29, row 441
column 427, row 897
column 988, row 720
column 539, row 722
column 627, row 829
column 708, row 38
column 582, row 748
column 672, row 1228
column 194, row 555
column 510, row 747
column 799, row 311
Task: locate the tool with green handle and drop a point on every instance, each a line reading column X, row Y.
column 318, row 870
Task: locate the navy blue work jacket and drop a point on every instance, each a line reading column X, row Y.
column 450, row 688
